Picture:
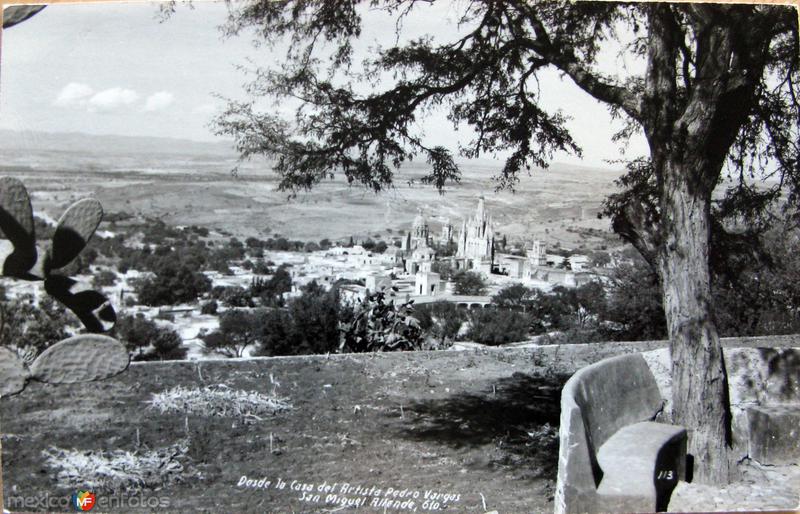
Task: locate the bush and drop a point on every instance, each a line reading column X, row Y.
column 33, row 328
column 139, row 334
column 514, row 297
column 104, row 278
column 309, row 324
column 166, row 346
column 172, row 284
column 469, row 283
column 261, row 268
column 271, row 291
column 209, row 307
column 441, row 321
column 444, row 269
column 233, row 296
column 498, row 326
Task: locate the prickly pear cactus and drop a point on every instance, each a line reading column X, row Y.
column 22, row 259
column 13, row 373
column 74, row 230
column 16, row 222
column 82, row 358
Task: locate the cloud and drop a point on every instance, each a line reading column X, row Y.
column 82, row 96
column 110, row 99
column 73, row 94
column 158, row 101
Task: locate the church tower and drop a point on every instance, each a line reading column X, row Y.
column 476, row 241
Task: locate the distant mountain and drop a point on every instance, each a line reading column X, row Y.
column 29, row 141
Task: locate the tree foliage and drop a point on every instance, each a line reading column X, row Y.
column 498, row 326
column 441, row 321
column 172, row 283
column 469, row 283
column 308, row 325
column 147, row 341
column 30, row 327
column 238, row 330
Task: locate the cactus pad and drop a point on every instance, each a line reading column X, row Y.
column 16, row 223
column 92, row 308
column 13, row 372
column 81, row 358
column 74, row 229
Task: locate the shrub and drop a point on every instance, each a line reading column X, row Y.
column 381, row 326
column 147, row 341
column 498, row 326
column 32, row 328
column 440, row 320
column 234, row 296
column 172, row 284
column 469, row 283
column 309, row 324
column 209, row 307
column 104, row 278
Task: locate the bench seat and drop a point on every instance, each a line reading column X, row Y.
column 612, row 456
column 641, row 462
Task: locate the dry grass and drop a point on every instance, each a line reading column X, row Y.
column 220, row 401
column 119, row 469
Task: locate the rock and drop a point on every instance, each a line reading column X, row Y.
column 774, row 434
column 759, row 376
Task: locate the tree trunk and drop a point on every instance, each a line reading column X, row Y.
column 699, row 384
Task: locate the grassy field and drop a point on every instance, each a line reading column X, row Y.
column 478, row 426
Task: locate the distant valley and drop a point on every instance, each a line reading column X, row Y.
column 188, row 182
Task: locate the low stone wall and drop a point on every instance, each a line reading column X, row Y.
column 758, row 376
column 562, row 358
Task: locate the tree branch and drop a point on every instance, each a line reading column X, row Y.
column 562, row 56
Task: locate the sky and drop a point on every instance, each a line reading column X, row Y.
column 117, row 69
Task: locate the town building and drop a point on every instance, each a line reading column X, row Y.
column 419, row 234
column 447, row 232
column 476, row 241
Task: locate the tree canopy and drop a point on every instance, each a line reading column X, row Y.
column 486, row 78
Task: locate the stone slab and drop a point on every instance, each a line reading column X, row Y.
column 641, row 465
column 774, row 434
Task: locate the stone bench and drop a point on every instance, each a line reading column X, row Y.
column 612, row 456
